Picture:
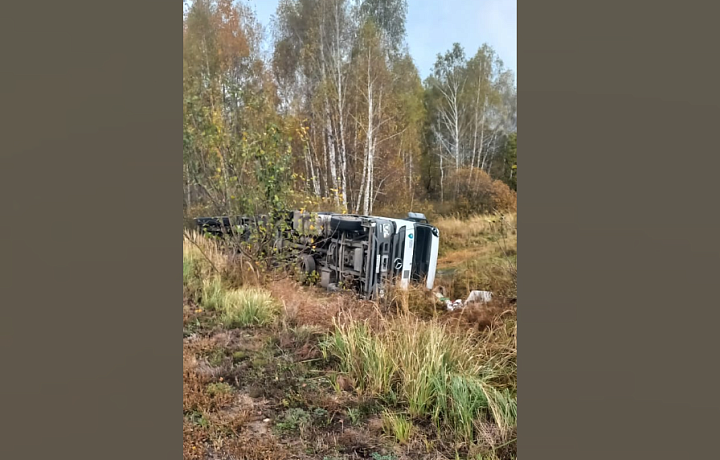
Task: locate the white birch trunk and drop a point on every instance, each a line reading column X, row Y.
column 329, row 142
column 370, row 156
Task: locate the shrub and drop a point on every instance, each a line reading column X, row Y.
column 474, row 191
column 503, row 198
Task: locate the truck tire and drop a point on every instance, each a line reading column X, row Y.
column 307, row 264
column 345, row 223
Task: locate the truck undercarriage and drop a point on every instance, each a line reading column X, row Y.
column 362, row 253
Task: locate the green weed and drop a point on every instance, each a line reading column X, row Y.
column 218, row 388
column 397, row 426
column 294, row 419
column 354, row 415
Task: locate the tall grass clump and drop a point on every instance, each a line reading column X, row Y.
column 213, row 294
column 192, row 282
column 202, row 260
column 398, row 426
column 362, row 356
column 209, row 275
column 189, row 274
column 248, row 307
column 238, row 307
column 458, row 380
column 211, row 257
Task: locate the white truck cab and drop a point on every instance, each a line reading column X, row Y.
column 417, row 250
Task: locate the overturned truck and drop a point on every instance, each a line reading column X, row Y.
column 362, row 253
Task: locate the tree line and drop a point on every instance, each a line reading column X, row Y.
column 326, row 109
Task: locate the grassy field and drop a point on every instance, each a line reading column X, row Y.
column 283, row 371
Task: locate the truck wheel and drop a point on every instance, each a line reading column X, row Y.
column 345, row 223
column 307, row 264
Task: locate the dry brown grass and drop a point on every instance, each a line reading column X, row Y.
column 197, row 375
column 416, row 299
column 460, row 257
column 314, row 306
column 478, row 253
column 205, row 258
column 481, row 316
column 199, row 403
column 476, row 230
column 206, row 252
column 220, row 421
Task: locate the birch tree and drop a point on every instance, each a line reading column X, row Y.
column 449, row 79
column 371, row 76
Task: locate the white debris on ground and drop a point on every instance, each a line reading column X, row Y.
column 475, row 296
column 479, row 296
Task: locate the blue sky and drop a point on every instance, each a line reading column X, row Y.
column 434, row 25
